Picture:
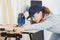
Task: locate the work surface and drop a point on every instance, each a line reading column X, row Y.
column 9, row 28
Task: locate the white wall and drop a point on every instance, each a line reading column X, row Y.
column 54, row 6
column 14, row 10
column 0, row 13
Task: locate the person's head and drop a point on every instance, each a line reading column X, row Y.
column 38, row 12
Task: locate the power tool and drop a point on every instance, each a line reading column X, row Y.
column 21, row 19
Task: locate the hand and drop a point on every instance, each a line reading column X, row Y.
column 19, row 29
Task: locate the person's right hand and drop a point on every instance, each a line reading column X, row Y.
column 19, row 29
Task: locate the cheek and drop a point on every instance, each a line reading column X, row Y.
column 36, row 18
column 40, row 16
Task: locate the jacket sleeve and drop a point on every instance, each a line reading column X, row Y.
column 46, row 24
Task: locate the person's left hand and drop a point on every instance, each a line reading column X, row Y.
column 19, row 29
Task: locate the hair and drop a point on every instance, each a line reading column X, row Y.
column 45, row 11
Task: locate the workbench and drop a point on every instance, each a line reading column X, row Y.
column 8, row 32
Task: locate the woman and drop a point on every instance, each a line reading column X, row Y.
column 44, row 20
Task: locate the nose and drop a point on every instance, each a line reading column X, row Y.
column 33, row 19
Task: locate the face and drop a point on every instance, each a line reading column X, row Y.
column 37, row 17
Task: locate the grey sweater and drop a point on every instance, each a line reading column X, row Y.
column 50, row 22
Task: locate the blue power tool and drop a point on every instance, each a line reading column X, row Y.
column 21, row 19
